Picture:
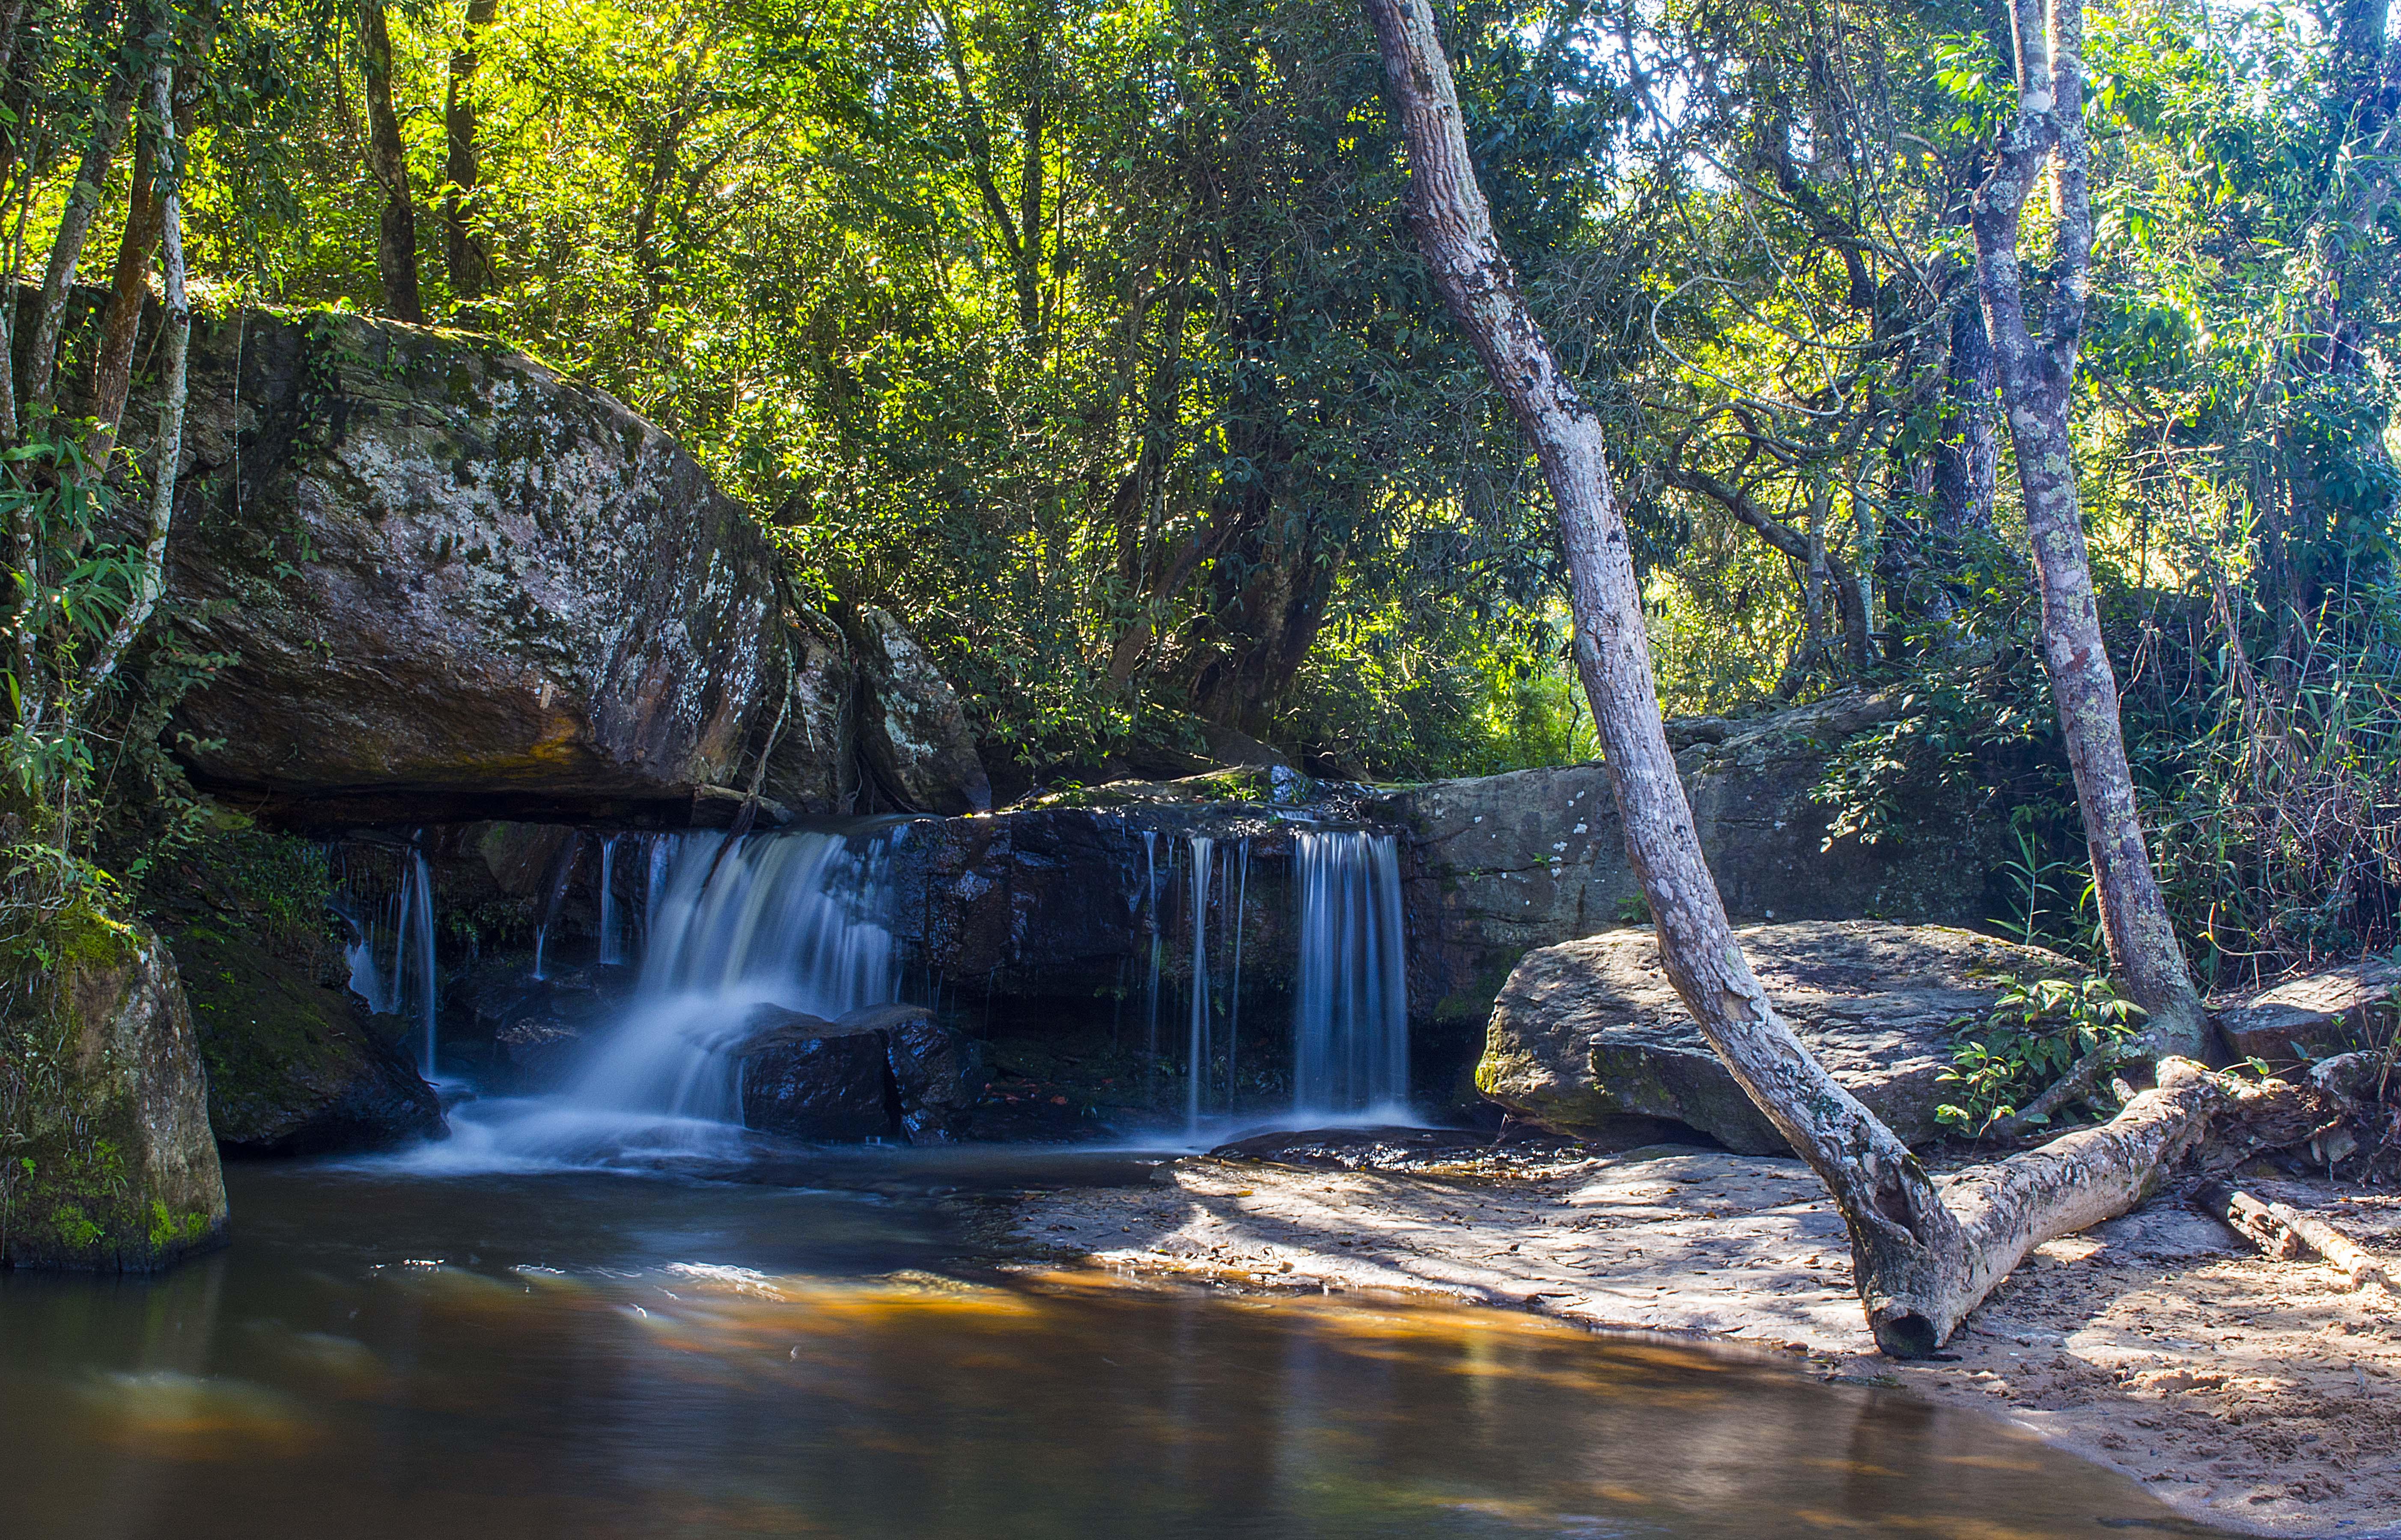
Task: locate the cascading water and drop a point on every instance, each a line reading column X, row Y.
column 799, row 921
column 409, row 987
column 1196, row 1079
column 1350, row 1029
column 413, row 968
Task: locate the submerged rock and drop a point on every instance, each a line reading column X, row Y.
column 109, row 1163
column 1590, row 1032
column 915, row 733
column 456, row 584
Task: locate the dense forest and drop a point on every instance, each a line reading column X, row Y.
column 1096, row 342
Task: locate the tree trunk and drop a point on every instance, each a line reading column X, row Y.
column 149, row 578
column 470, row 266
column 75, row 222
column 396, row 232
column 1967, row 457
column 1921, row 1266
column 2037, row 382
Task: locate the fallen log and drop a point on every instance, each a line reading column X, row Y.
column 2285, row 1233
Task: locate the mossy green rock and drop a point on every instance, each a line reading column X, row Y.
column 1591, row 1031
column 106, row 1161
column 295, row 1067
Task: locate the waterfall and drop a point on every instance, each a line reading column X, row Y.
column 612, row 948
column 1234, row 993
column 1349, row 1002
column 799, row 921
column 411, row 987
column 1197, row 1072
column 795, row 920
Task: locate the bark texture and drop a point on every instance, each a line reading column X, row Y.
column 1922, row 1264
column 396, row 232
column 2037, row 377
column 470, row 265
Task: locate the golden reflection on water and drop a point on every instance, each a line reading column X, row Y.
column 673, row 1392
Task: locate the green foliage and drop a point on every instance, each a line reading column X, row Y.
column 2036, row 1032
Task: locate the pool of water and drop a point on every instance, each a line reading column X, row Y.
column 385, row 1353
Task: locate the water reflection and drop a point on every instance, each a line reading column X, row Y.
column 383, row 1357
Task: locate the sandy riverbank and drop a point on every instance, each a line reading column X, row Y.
column 2247, row 1394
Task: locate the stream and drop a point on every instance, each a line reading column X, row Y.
column 385, row 1351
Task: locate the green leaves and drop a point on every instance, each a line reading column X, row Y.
column 2035, row 1034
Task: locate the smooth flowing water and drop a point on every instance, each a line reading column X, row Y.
column 1350, row 1008
column 381, row 1355
column 797, row 921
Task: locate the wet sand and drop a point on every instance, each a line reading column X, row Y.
column 2247, row 1394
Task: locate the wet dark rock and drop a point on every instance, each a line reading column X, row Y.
column 807, row 1078
column 915, row 732
column 1501, row 864
column 458, row 584
column 937, row 1069
column 111, row 1166
column 1591, row 1030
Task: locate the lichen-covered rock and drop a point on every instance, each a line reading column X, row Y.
column 1590, row 1031
column 2316, row 1015
column 1501, row 864
column 103, row 1115
column 456, row 584
column 295, row 1066
column 915, row 733
column 805, row 1078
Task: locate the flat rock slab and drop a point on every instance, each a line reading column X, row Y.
column 2316, row 1015
column 1590, row 1033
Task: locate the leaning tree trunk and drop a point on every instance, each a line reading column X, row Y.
column 396, row 231
column 1920, row 1264
column 2037, row 382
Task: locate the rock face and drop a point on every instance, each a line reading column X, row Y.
column 111, row 1166
column 915, row 733
column 2318, row 1014
column 295, row 1066
column 458, row 583
column 883, row 1070
column 1591, row 1031
column 1501, row 864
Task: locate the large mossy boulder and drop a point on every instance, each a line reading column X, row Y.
column 296, row 1065
column 105, row 1156
column 455, row 584
column 1589, row 1033
column 1501, row 864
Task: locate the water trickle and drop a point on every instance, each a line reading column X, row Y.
column 612, row 940
column 1350, row 1001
